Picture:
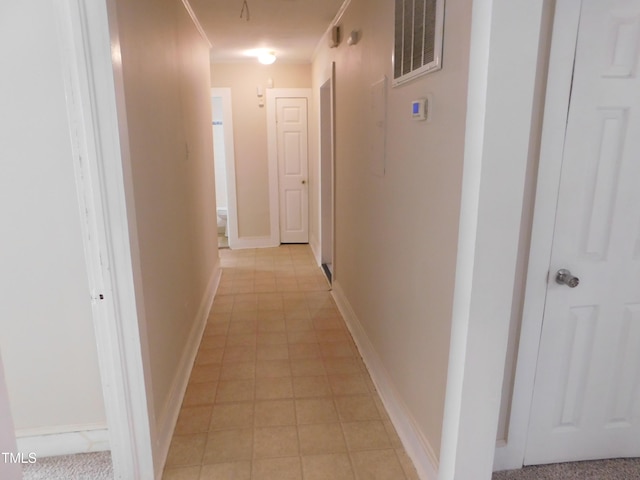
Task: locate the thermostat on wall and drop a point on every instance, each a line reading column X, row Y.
column 419, row 109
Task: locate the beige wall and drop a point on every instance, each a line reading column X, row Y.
column 165, row 67
column 396, row 235
column 46, row 331
column 250, row 134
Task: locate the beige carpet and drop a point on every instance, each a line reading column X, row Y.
column 85, row 466
column 618, row 469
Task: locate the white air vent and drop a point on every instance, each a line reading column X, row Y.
column 418, row 38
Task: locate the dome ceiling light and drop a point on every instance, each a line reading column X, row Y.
column 267, row 58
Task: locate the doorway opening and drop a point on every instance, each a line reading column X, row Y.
column 327, row 177
column 224, row 166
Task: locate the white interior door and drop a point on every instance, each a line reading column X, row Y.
column 293, row 169
column 586, row 401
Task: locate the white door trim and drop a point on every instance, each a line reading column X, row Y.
column 272, row 152
column 93, row 84
column 565, row 32
column 230, row 163
column 330, row 80
column 502, row 95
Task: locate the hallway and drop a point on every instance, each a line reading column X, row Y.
column 278, row 389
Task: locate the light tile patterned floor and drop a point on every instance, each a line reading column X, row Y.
column 278, row 390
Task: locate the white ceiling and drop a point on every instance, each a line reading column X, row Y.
column 290, row 28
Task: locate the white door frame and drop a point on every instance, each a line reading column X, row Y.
column 230, row 163
column 565, row 32
column 503, row 94
column 330, row 81
column 272, row 152
column 95, row 98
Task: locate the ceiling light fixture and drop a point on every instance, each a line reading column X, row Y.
column 267, row 58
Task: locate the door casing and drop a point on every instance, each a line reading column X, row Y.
column 510, row 455
column 506, row 82
column 87, row 31
column 327, row 167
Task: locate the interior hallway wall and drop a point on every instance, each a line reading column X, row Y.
column 250, row 133
column 46, row 331
column 396, row 235
column 165, row 69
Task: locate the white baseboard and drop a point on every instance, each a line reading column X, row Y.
column 414, row 442
column 254, row 242
column 64, row 443
column 315, row 249
column 168, row 418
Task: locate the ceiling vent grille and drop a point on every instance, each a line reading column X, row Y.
column 418, row 38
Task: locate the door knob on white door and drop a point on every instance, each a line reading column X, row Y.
column 304, row 182
column 564, row 277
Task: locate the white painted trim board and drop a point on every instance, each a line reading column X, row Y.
column 415, row 444
column 65, row 443
column 255, row 242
